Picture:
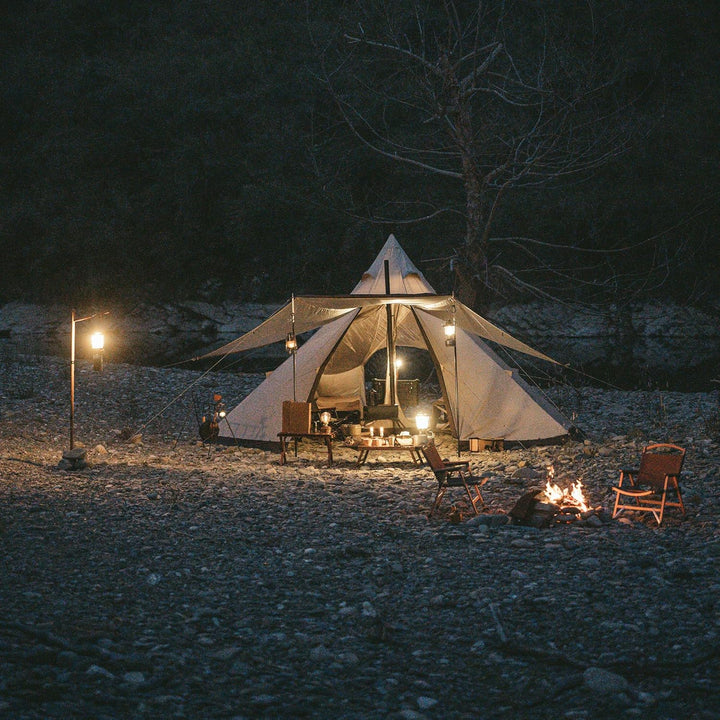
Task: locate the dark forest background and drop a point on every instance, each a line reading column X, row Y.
column 166, row 150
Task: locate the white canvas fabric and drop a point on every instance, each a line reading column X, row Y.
column 493, row 400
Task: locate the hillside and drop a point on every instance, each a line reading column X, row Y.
column 184, row 150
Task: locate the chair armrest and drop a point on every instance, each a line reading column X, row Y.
column 628, row 473
column 456, row 463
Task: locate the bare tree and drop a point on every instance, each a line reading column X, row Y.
column 495, row 96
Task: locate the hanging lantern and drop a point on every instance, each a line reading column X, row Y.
column 449, row 329
column 291, row 344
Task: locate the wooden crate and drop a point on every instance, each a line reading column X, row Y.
column 296, row 417
column 480, row 444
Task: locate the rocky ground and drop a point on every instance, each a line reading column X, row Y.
column 171, row 579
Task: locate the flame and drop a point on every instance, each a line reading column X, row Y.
column 554, row 493
column 578, row 497
column 558, row 496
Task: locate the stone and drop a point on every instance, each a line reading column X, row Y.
column 134, row 677
column 425, row 703
column 488, row 520
column 73, row 459
column 604, row 682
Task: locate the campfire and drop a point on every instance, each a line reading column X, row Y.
column 553, row 504
column 571, row 501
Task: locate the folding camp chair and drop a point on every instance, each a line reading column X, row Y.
column 384, row 416
column 647, row 489
column 453, row 475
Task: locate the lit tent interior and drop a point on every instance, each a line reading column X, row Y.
column 392, row 306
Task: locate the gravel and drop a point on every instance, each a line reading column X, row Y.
column 172, row 579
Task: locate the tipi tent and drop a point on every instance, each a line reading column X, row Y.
column 393, row 305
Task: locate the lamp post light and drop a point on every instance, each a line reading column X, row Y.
column 97, row 343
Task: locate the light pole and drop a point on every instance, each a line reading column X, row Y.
column 97, row 345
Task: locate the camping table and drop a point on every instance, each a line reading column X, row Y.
column 325, row 437
column 365, row 450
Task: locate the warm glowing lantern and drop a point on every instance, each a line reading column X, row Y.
column 422, row 421
column 97, row 341
column 449, row 328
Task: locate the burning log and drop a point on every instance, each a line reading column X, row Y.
column 530, row 510
column 574, row 497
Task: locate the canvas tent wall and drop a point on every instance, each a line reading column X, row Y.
column 484, row 399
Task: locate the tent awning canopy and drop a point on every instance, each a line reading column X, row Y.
column 308, row 312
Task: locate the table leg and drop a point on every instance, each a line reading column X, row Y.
column 328, row 443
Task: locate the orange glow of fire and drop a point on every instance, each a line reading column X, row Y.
column 558, row 496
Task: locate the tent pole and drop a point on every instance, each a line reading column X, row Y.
column 292, row 320
column 457, row 401
column 457, row 392
column 391, row 357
